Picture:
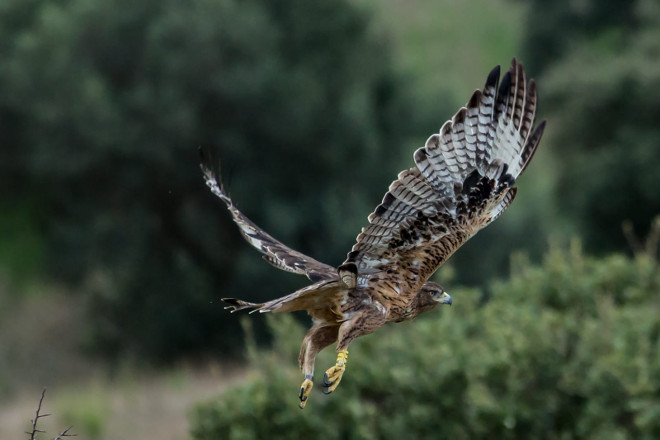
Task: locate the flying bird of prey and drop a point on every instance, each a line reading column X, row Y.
column 462, row 181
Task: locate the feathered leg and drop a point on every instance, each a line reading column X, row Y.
column 361, row 324
column 317, row 339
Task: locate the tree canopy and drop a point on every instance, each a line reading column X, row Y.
column 601, row 83
column 105, row 106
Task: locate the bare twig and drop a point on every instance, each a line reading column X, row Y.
column 37, row 416
column 65, row 433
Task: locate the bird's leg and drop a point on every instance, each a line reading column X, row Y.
column 333, row 375
column 317, row 338
column 363, row 323
column 305, row 389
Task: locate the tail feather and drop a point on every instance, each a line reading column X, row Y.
column 238, row 304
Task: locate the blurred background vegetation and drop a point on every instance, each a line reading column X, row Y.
column 113, row 254
column 568, row 349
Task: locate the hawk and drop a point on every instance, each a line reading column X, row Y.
column 462, row 181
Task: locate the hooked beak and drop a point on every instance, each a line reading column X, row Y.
column 445, row 298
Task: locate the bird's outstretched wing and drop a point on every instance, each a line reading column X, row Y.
column 274, row 251
column 462, row 182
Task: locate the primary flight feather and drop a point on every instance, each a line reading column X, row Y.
column 462, row 181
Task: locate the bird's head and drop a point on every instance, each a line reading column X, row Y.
column 428, row 298
column 434, row 294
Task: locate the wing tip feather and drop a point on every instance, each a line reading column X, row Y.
column 212, row 179
column 493, row 77
column 236, row 304
column 532, row 144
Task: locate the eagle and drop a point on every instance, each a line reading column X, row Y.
column 462, row 180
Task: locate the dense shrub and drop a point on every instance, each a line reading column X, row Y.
column 566, row 350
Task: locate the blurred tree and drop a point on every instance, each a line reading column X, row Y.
column 602, row 87
column 555, row 28
column 104, row 104
column 567, row 350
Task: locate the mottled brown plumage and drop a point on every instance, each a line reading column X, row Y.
column 462, row 181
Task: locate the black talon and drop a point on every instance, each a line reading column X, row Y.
column 300, row 396
column 325, row 381
column 326, row 391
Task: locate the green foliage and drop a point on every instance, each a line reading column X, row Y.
column 87, row 412
column 554, row 28
column 601, row 95
column 447, row 47
column 570, row 349
column 104, row 106
column 21, row 246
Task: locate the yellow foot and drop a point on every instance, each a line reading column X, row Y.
column 333, row 375
column 305, row 389
column 331, row 378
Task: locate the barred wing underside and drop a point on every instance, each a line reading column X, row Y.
column 273, row 251
column 462, row 182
